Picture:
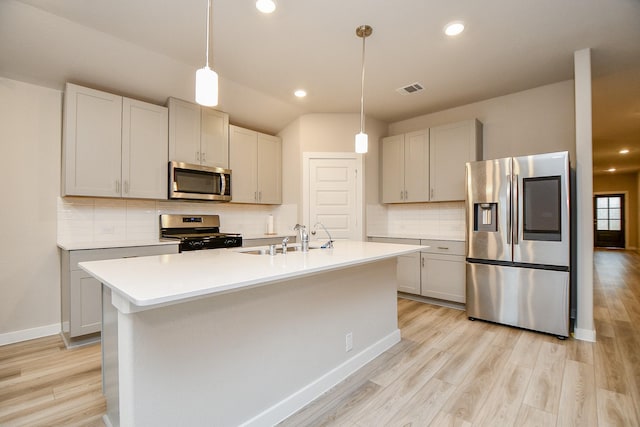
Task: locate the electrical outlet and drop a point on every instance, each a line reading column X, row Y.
column 349, row 342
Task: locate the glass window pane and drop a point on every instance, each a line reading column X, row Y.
column 603, row 202
column 602, row 213
column 603, row 224
column 614, row 213
column 614, row 225
column 614, row 202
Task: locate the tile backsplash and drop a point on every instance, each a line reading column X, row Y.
column 84, row 219
column 444, row 220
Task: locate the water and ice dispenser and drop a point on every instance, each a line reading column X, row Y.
column 485, row 217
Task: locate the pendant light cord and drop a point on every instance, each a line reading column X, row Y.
column 362, row 85
column 208, row 17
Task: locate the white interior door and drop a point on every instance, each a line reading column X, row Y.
column 334, row 195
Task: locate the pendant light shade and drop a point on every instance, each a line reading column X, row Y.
column 362, row 140
column 265, row 6
column 206, row 78
column 207, row 87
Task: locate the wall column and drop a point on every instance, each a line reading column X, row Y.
column 584, row 328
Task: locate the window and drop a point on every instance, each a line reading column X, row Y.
column 609, row 213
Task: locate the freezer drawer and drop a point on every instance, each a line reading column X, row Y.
column 524, row 297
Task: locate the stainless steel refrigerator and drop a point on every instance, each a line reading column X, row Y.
column 518, row 242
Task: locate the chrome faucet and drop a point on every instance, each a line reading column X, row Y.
column 329, row 244
column 284, row 245
column 304, row 237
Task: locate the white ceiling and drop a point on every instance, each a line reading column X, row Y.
column 150, row 49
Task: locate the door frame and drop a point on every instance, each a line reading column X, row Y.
column 626, row 212
column 359, row 158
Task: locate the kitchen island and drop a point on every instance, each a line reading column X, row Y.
column 226, row 338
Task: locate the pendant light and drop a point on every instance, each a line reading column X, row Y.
column 362, row 140
column 206, row 78
column 265, row 6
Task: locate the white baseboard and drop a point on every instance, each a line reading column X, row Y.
column 585, row 334
column 312, row 391
column 29, row 334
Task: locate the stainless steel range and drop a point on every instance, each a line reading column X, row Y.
column 197, row 232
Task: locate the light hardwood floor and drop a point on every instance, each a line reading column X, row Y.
column 449, row 371
column 446, row 371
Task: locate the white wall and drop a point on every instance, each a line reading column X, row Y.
column 533, row 121
column 327, row 133
column 108, row 63
column 30, row 129
column 36, row 217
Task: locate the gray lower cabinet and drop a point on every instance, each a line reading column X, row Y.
column 437, row 272
column 443, row 270
column 82, row 294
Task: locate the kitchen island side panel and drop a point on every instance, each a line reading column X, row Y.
column 253, row 356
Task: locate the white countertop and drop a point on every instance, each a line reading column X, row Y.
column 76, row 246
column 414, row 236
column 166, row 279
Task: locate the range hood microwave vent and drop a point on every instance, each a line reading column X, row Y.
column 410, row 89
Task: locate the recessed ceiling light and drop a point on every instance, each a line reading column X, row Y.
column 454, row 28
column 300, row 93
column 611, row 170
column 265, row 6
column 624, row 151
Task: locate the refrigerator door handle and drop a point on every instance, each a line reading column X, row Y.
column 516, row 207
column 509, row 202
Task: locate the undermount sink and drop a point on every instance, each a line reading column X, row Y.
column 265, row 251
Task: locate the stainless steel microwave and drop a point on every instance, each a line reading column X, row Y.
column 195, row 182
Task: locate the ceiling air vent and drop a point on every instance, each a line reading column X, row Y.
column 412, row 88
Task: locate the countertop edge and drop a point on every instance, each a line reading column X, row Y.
column 81, row 246
column 137, row 304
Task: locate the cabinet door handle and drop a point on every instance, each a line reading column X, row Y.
column 126, row 187
column 406, row 195
column 259, row 196
column 423, row 261
column 401, row 195
column 255, row 196
column 203, row 157
column 197, row 156
column 443, row 248
column 117, row 186
column 431, row 196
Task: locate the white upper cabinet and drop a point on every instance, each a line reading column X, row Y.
column 214, row 138
column 451, row 146
column 428, row 165
column 269, row 169
column 393, row 169
column 113, row 146
column 416, row 166
column 92, row 135
column 405, row 168
column 184, row 131
column 198, row 135
column 144, row 150
column 255, row 160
